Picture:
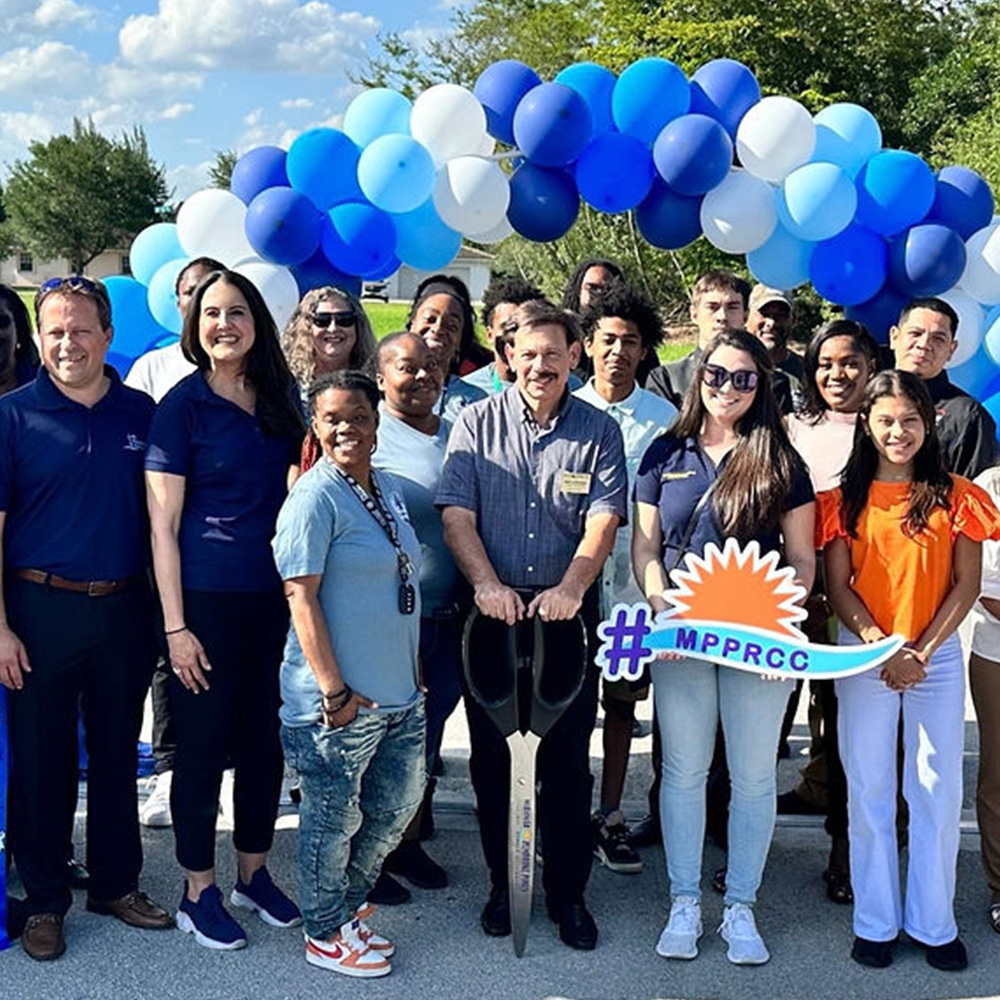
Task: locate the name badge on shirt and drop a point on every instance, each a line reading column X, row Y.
column 574, row 482
column 670, row 476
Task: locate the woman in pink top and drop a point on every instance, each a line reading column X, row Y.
column 840, row 359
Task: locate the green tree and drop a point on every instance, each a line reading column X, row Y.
column 7, row 241
column 220, row 173
column 81, row 194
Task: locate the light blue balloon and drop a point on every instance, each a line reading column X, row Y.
column 423, row 241
column 817, row 201
column 162, row 295
column 595, row 85
column 978, row 376
column 322, row 164
column 650, row 93
column 782, row 262
column 991, row 341
column 848, row 135
column 396, row 173
column 375, row 112
column 992, row 407
column 152, row 248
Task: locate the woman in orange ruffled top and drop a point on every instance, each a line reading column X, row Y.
column 902, row 542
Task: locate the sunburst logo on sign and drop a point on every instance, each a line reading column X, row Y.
column 734, row 607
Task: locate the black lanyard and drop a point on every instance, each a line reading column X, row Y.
column 376, row 506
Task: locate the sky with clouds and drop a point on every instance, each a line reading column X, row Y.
column 198, row 75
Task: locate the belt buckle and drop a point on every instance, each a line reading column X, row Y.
column 91, row 584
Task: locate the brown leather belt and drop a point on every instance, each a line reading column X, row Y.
column 92, row 588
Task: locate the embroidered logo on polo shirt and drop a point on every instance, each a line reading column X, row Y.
column 667, row 477
column 133, row 443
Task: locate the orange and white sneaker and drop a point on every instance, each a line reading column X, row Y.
column 374, row 941
column 347, row 954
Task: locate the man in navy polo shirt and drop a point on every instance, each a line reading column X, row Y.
column 76, row 613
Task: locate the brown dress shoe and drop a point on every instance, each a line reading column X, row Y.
column 136, row 909
column 42, row 937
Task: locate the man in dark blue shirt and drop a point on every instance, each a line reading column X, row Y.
column 76, row 613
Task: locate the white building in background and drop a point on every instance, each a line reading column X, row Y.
column 471, row 265
column 24, row 269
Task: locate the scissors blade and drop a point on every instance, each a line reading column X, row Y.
column 521, row 835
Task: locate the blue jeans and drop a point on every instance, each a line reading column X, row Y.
column 691, row 697
column 361, row 785
column 441, row 657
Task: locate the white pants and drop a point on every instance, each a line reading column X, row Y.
column 933, row 741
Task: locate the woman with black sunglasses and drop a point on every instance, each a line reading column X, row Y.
column 19, row 359
column 724, row 470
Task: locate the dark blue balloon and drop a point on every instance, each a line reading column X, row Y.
column 851, row 267
column 725, row 90
column 926, row 260
column 668, row 220
column 283, row 226
column 963, row 201
column 543, row 203
column 500, row 88
column 317, row 271
column 135, row 328
column 693, row 154
column 879, row 313
column 258, row 170
column 552, row 125
column 389, row 268
column 615, row 172
column 978, row 376
column 595, row 85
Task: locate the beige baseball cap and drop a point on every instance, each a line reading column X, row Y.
column 762, row 295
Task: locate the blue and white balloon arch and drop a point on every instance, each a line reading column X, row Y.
column 806, row 198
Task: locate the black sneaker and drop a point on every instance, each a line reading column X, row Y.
column 388, row 892
column 613, row 845
column 646, row 832
column 949, row 957
column 411, row 861
column 874, row 954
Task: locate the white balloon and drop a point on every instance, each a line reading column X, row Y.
column 471, row 194
column 775, row 136
column 971, row 322
column 488, row 146
column 499, row 232
column 980, row 279
column 740, row 214
column 211, row 224
column 276, row 285
column 449, row 121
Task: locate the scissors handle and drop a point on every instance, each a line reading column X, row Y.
column 559, row 666
column 490, row 669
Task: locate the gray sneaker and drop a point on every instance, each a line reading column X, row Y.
column 739, row 931
column 679, row 938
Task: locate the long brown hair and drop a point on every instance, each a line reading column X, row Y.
column 751, row 493
column 931, row 485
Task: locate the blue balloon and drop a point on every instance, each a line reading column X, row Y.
column 851, row 267
column 386, row 271
column 895, row 190
column 317, row 271
column 396, row 173
column 615, row 172
column 283, row 226
column 879, row 313
column 162, row 296
column 650, row 93
column 668, row 220
column 261, row 168
column 816, row 201
column 848, row 135
column 693, row 154
column 499, row 89
column 544, row 203
column 152, row 248
column 375, row 112
column 134, row 326
column 992, row 406
column 725, row 90
column 978, row 376
column 783, row 261
column 552, row 125
column 120, row 362
column 926, row 260
column 963, row 201
column 362, row 239
column 322, row 164
column 991, row 339
column 595, row 85
column 423, row 241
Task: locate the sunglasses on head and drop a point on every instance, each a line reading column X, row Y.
column 74, row 283
column 323, row 320
column 743, row 379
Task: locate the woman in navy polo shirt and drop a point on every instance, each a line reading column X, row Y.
column 221, row 448
column 19, row 358
column 728, row 439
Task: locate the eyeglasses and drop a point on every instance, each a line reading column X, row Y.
column 743, row 379
column 323, row 320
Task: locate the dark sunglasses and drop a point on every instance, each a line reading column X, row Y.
column 743, row 379
column 323, row 320
column 74, row 283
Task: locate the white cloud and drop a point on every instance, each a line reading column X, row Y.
column 129, row 83
column 297, row 102
column 419, row 36
column 187, row 178
column 173, row 112
column 24, row 127
column 50, row 68
column 60, row 13
column 260, row 35
column 253, row 118
column 22, row 20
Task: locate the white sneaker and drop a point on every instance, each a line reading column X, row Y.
column 679, row 938
column 375, row 942
column 739, row 931
column 155, row 810
column 347, row 954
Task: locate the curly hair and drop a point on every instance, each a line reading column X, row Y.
column 571, row 293
column 297, row 338
column 622, row 301
column 507, row 288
